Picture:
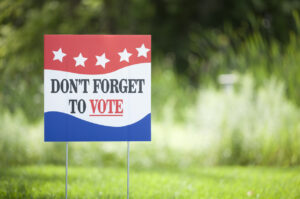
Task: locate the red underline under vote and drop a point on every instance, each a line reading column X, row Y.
column 104, row 115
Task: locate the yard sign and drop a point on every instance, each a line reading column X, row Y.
column 97, row 87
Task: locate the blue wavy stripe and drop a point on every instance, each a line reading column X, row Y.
column 63, row 127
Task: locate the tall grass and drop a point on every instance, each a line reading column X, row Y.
column 247, row 126
column 256, row 123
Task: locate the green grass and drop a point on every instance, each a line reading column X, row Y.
column 93, row 182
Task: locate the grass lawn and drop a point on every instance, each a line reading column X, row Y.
column 92, row 182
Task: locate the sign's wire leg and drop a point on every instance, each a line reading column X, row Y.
column 66, row 170
column 127, row 169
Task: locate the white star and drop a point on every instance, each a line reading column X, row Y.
column 80, row 60
column 142, row 51
column 58, row 55
column 101, row 60
column 124, row 55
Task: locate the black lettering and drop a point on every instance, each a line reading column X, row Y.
column 54, row 82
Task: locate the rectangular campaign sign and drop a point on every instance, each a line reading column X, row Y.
column 97, row 87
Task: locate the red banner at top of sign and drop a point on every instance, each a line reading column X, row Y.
column 95, row 54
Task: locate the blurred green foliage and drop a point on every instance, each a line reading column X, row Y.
column 190, row 34
column 192, row 43
column 248, row 125
column 244, row 126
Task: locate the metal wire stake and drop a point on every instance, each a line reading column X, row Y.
column 66, row 170
column 128, row 170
